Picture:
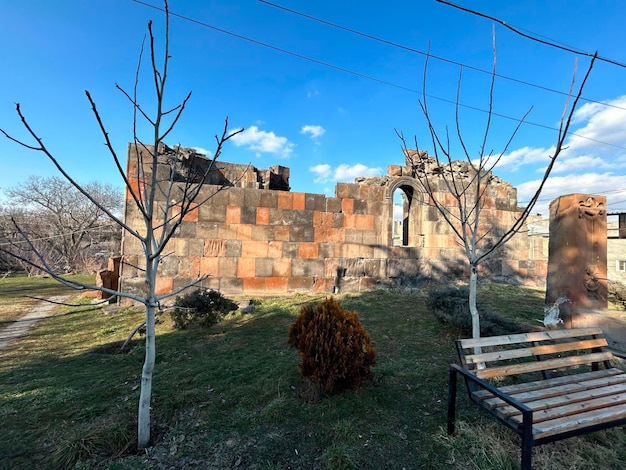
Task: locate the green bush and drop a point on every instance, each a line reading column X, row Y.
column 450, row 305
column 202, row 307
column 335, row 348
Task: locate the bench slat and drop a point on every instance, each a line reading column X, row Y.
column 514, row 369
column 534, row 351
column 611, row 376
column 580, row 421
column 552, row 390
column 555, row 403
column 527, row 337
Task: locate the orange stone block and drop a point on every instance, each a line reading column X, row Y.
column 285, row 200
column 262, row 215
column 347, row 206
column 209, row 266
column 254, row 284
column 244, row 232
column 349, row 221
column 214, row 248
column 364, row 222
column 322, row 219
column 189, row 267
column 164, row 285
column 233, row 214
column 192, row 214
column 298, row 201
column 275, row 285
column 329, row 235
column 246, row 267
column 254, row 248
column 281, row 233
column 308, row 250
column 275, row 249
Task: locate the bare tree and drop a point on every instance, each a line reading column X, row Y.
column 66, row 228
column 469, row 189
column 161, row 197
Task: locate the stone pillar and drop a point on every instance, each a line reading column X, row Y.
column 577, row 253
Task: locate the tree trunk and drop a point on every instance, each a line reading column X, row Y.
column 143, row 431
column 472, row 301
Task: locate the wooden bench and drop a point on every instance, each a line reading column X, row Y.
column 545, row 386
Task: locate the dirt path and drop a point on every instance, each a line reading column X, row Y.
column 15, row 330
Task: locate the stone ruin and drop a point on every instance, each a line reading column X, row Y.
column 257, row 237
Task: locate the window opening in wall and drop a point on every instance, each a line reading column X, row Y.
column 406, row 215
column 621, row 265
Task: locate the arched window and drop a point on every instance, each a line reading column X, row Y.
column 406, row 208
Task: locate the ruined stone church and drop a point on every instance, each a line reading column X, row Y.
column 255, row 236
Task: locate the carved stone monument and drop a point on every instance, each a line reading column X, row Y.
column 577, row 254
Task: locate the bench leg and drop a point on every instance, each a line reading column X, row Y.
column 527, row 442
column 451, row 401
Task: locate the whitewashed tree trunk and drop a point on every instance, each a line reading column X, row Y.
column 473, row 282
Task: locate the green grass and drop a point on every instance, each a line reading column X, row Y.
column 232, row 396
column 15, row 292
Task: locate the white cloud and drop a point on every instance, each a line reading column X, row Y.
column 312, row 94
column 203, row 151
column 343, row 172
column 323, row 172
column 607, row 184
column 263, row 142
column 313, row 131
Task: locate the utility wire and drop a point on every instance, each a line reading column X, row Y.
column 432, row 56
column 367, row 77
column 531, row 37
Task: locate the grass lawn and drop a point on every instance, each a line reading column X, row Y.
column 232, row 396
column 14, row 291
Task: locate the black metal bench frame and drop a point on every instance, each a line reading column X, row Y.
column 541, row 411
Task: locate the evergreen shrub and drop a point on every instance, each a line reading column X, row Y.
column 202, row 307
column 335, row 348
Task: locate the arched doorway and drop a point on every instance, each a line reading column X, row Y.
column 407, row 203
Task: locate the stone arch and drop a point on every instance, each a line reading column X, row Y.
column 415, row 201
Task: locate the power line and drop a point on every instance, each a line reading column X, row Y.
column 432, row 56
column 368, row 77
column 532, row 37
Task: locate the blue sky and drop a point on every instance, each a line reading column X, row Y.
column 326, row 124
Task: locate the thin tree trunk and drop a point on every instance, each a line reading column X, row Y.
column 473, row 281
column 143, row 428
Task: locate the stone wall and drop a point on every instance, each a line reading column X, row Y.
column 256, row 237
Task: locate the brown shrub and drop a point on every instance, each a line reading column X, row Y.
column 335, row 349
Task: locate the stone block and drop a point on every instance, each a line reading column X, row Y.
column 163, row 285
column 196, row 247
column 254, row 249
column 264, row 267
column 262, row 232
column 189, row 267
column 333, row 204
column 253, row 285
column 207, row 230
column 285, row 200
column 275, row 249
column 300, row 233
column 338, row 221
column 210, row 266
column 353, row 236
column 276, row 285
column 262, row 216
column 236, row 197
column 308, row 250
column 231, row 285
column 227, row 231
column 290, row 250
column 248, row 215
column 394, row 170
column 307, row 267
column 233, row 214
column 269, row 199
column 281, row 267
column 169, row 266
column 329, row 235
column 344, row 190
column 326, row 250
column 359, row 206
column 212, row 213
column 303, row 218
column 347, row 206
column 299, row 284
column 246, row 267
column 299, row 201
column 252, row 198
column 233, row 248
column 244, row 231
column 186, row 230
column 226, row 267
column 322, row 219
column 281, row 233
